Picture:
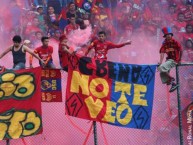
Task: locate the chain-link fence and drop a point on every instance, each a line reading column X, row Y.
column 59, row 129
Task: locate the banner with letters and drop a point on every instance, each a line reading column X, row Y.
column 115, row 93
column 51, row 85
column 20, row 103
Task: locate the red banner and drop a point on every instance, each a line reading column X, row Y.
column 110, row 92
column 51, row 85
column 20, row 101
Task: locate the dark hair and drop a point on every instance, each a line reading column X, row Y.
column 17, row 39
column 80, row 22
column 180, row 14
column 188, row 40
column 172, row 5
column 70, row 3
column 102, row 32
column 72, row 16
column 82, row 26
column 44, row 38
column 187, row 25
column 188, row 3
column 50, row 7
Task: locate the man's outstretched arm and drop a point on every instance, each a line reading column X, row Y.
column 5, row 52
column 112, row 45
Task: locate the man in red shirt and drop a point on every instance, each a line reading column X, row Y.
column 45, row 53
column 102, row 46
column 72, row 26
column 174, row 53
column 64, row 52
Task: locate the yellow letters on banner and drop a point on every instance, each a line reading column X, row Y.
column 105, row 90
column 128, row 116
column 137, row 100
column 20, row 86
column 25, row 83
column 99, row 89
column 19, row 124
column 94, row 107
column 79, row 81
column 8, row 77
column 54, row 85
column 3, row 129
column 6, row 117
column 8, row 89
column 35, row 124
column 124, row 88
column 15, row 128
column 110, row 109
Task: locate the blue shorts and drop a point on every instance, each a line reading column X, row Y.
column 19, row 66
column 49, row 65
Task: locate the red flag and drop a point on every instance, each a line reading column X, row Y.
column 63, row 14
column 79, row 3
column 20, row 101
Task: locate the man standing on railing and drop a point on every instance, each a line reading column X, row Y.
column 174, row 53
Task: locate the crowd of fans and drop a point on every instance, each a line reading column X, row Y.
column 121, row 19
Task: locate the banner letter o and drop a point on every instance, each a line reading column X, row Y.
column 99, row 84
